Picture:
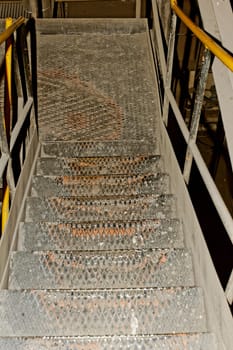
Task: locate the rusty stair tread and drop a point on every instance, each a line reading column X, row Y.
column 160, row 233
column 101, row 269
column 98, row 165
column 101, row 312
column 195, row 341
column 99, row 149
column 100, row 185
column 100, row 209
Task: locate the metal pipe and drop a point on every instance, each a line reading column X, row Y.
column 158, row 35
column 170, row 57
column 198, row 102
column 10, row 30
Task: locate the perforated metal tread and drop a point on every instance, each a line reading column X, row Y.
column 98, row 166
column 120, row 208
column 101, row 312
column 108, row 269
column 203, row 341
column 158, row 233
column 100, row 86
column 99, row 149
column 95, row 186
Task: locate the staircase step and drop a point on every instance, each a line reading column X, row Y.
column 159, row 233
column 198, row 341
column 75, row 209
column 98, row 165
column 108, row 269
column 94, row 186
column 99, row 149
column 101, row 312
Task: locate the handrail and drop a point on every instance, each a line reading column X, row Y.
column 11, row 29
column 8, row 92
column 10, row 130
column 190, row 134
column 209, row 43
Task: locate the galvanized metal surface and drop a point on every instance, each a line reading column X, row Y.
column 141, row 148
column 101, row 312
column 82, row 83
column 156, row 342
column 108, row 269
column 99, row 186
column 119, row 208
column 197, row 109
column 98, row 166
column 112, row 235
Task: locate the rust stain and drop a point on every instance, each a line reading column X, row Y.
column 101, row 117
column 103, row 232
column 162, row 259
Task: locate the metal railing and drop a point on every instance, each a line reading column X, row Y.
column 18, row 120
column 165, row 61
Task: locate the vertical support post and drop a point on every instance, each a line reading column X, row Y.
column 198, row 102
column 159, row 41
column 170, row 57
column 138, row 8
column 229, row 289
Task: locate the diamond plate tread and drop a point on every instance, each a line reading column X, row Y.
column 108, row 269
column 101, row 312
column 201, row 341
column 159, row 233
column 98, row 166
column 119, row 208
column 99, row 149
column 95, row 186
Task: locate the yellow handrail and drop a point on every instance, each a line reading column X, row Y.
column 209, row 43
column 8, row 55
column 10, row 30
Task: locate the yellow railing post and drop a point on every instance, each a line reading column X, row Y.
column 7, row 119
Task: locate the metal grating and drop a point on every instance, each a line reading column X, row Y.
column 85, row 93
column 98, row 166
column 101, row 312
column 74, row 209
column 99, row 149
column 109, row 269
column 100, row 236
column 201, row 341
column 156, row 342
column 97, row 186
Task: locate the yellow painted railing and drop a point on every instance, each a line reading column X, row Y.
column 209, row 43
column 8, row 101
column 11, row 29
column 6, row 37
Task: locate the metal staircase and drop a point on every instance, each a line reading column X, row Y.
column 102, row 260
